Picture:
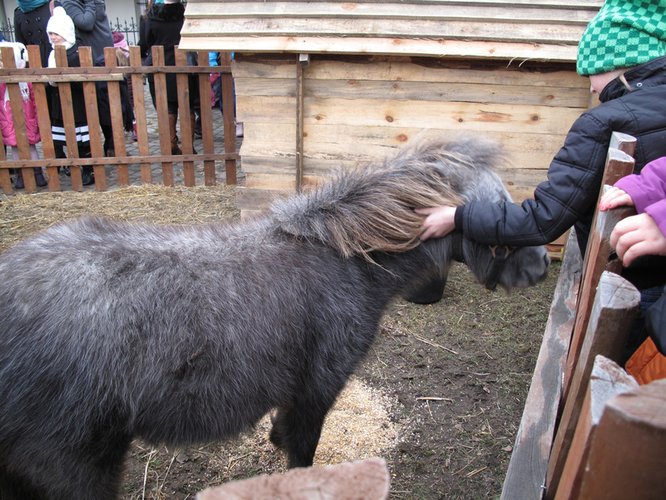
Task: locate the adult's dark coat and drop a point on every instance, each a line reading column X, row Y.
column 30, row 28
column 162, row 25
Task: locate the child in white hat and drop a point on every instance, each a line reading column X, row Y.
column 60, row 29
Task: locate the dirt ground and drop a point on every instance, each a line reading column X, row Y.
column 439, row 396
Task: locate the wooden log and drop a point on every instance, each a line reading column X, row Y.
column 607, row 380
column 615, row 304
column 626, row 455
column 526, row 474
column 368, row 479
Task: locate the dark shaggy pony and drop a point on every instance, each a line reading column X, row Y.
column 184, row 335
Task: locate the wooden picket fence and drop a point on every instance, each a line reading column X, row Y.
column 112, row 73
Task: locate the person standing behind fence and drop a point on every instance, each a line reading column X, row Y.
column 143, row 26
column 61, row 32
column 7, row 126
column 162, row 26
column 93, row 30
column 30, row 18
column 123, row 58
column 104, row 106
column 92, row 25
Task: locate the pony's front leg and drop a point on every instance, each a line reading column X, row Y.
column 296, row 430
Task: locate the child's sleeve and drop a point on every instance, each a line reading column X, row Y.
column 648, row 187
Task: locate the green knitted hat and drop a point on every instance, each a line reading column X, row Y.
column 624, row 33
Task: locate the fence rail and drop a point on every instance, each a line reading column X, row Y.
column 113, row 74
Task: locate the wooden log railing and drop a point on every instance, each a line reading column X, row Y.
column 581, row 406
column 113, row 74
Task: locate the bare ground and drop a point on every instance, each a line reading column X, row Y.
column 439, row 396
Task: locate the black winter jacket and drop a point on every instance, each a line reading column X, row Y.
column 569, row 195
column 162, row 26
column 78, row 100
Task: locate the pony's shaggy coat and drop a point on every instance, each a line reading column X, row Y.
column 183, row 335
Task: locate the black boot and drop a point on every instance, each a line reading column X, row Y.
column 18, row 183
column 39, row 177
column 87, row 176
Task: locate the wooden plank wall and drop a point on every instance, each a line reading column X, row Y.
column 527, row 29
column 362, row 109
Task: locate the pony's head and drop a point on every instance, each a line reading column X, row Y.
column 469, row 166
column 369, row 210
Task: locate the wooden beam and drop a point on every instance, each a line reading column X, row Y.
column 439, row 47
column 615, row 304
column 626, row 453
column 606, row 381
column 526, row 474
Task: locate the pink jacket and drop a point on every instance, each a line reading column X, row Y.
column 648, row 190
column 7, row 120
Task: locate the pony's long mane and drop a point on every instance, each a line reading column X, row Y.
column 371, row 208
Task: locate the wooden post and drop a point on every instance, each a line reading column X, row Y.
column 69, row 124
column 159, row 81
column 597, row 254
column 19, row 122
column 92, row 117
column 303, row 61
column 43, row 118
column 206, row 120
column 140, row 114
column 229, row 116
column 184, row 117
column 5, row 180
column 117, row 123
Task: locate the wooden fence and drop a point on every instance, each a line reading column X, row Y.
column 588, row 430
column 113, row 74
